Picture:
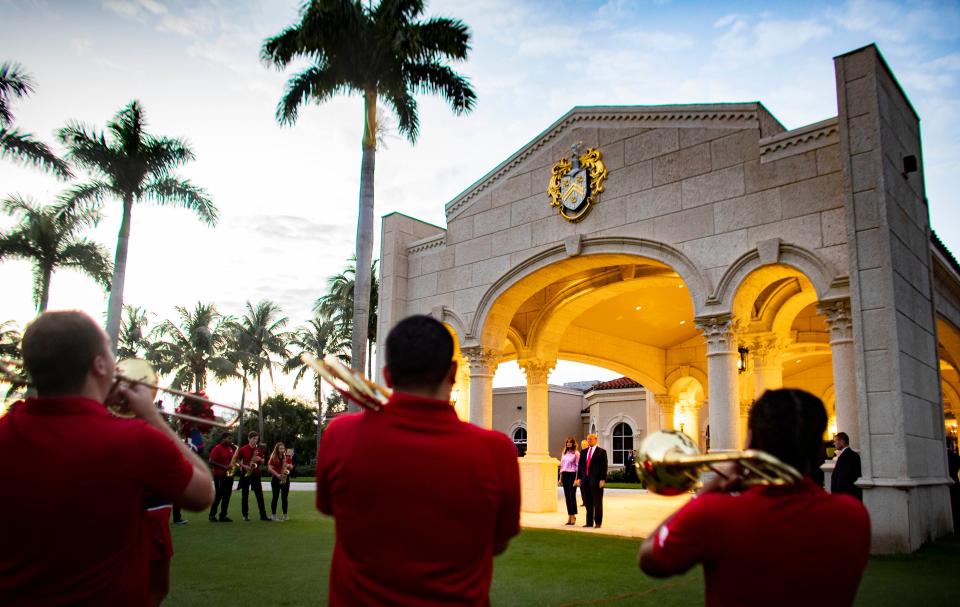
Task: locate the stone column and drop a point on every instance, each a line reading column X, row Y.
column 666, row 405
column 483, row 364
column 723, row 381
column 744, row 419
column 844, row 372
column 765, row 354
column 538, row 471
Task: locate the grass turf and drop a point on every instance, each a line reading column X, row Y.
column 287, row 563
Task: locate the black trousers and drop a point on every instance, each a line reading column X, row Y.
column 246, row 482
column 569, row 491
column 222, row 486
column 593, row 502
column 279, row 491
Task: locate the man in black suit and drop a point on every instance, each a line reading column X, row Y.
column 591, row 477
column 847, row 470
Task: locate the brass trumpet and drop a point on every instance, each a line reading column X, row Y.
column 669, row 464
column 351, row 384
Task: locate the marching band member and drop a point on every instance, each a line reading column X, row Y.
column 776, row 533
column 409, row 538
column 280, row 465
column 251, row 458
column 221, row 458
column 91, row 551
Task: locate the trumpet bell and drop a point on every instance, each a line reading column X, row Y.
column 654, row 465
column 132, row 370
column 351, row 384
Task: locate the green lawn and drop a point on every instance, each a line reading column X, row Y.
column 266, row 564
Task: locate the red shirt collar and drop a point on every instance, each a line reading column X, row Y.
column 402, row 402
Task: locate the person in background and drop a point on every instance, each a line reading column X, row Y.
column 568, row 475
column 279, row 466
column 847, row 470
column 221, row 456
column 591, row 477
column 251, row 459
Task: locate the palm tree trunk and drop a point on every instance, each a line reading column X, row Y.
column 115, row 307
column 243, row 398
column 260, row 406
column 319, row 410
column 361, row 289
column 44, row 290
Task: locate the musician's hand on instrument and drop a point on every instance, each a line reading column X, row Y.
column 728, row 477
column 137, row 398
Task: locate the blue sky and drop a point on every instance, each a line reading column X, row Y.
column 288, row 195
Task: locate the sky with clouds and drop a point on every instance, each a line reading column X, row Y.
column 288, row 196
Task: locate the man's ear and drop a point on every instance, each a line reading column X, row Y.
column 100, row 368
column 452, row 373
column 386, row 377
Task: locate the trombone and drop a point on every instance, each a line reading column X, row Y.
column 133, row 371
column 351, row 384
column 669, row 464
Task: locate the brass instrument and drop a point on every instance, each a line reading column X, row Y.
column 136, row 371
column 259, row 452
column 669, row 464
column 351, row 384
column 287, row 465
column 232, row 467
column 133, row 371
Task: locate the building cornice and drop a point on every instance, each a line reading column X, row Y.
column 424, row 244
column 798, row 141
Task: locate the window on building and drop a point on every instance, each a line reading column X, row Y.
column 622, row 442
column 520, row 441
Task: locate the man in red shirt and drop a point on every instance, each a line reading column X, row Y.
column 81, row 540
column 220, row 457
column 769, row 545
column 250, row 457
column 422, row 501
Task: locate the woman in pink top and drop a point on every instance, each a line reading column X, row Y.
column 568, row 474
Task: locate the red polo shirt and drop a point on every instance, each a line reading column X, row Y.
column 73, row 528
column 770, row 545
column 246, row 454
column 420, row 498
column 221, row 454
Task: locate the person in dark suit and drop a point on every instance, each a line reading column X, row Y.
column 847, row 470
column 591, row 477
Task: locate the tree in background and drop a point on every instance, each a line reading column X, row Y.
column 319, row 338
column 133, row 166
column 135, row 339
column 189, row 348
column 13, row 375
column 47, row 236
column 22, row 147
column 375, row 51
column 337, row 304
column 262, row 335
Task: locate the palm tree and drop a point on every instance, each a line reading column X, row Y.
column 134, row 338
column 320, row 337
column 337, row 304
column 9, row 341
column 133, row 166
column 263, row 338
column 375, row 51
column 47, row 237
column 15, row 82
column 189, row 348
column 236, row 362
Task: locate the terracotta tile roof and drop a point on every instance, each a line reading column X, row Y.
column 616, row 384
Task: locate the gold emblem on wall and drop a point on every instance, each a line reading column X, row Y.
column 577, row 182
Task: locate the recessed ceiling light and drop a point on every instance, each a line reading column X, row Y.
column 798, row 360
column 638, row 308
column 680, row 286
column 683, row 322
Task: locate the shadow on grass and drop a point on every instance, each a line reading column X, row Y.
column 265, row 564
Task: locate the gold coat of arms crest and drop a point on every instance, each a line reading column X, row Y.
column 577, row 182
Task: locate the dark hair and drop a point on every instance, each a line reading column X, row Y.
column 252, row 433
column 225, row 435
column 59, row 349
column 575, row 444
column 843, row 436
column 419, row 351
column 789, row 425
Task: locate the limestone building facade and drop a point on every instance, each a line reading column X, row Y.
column 725, row 256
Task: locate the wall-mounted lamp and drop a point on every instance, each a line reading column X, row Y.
column 742, row 358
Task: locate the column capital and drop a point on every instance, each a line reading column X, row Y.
column 839, row 319
column 536, row 370
column 665, row 401
column 482, row 361
column 720, row 332
column 766, row 348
